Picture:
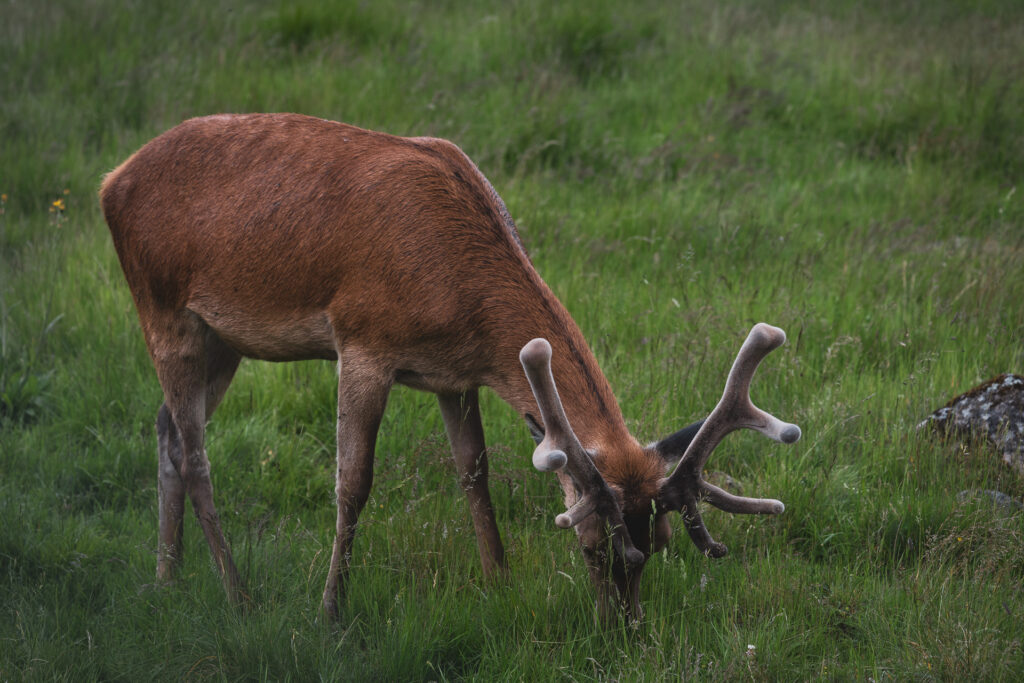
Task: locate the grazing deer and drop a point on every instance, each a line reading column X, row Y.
column 284, row 237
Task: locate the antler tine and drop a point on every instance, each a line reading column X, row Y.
column 762, row 340
column 734, row 411
column 550, row 453
column 560, row 448
column 695, row 528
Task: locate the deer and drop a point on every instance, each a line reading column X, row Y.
column 283, row 237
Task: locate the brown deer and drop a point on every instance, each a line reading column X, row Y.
column 284, row 237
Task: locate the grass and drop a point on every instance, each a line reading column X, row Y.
column 678, row 171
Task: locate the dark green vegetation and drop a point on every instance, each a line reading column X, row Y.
column 678, row 173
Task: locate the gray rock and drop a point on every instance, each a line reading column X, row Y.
column 997, row 498
column 994, row 410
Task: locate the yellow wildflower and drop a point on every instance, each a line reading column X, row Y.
column 59, row 205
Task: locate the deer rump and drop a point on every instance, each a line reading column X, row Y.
column 284, row 237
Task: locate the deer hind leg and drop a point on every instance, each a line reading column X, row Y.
column 363, row 389
column 221, row 363
column 195, row 368
column 461, row 414
column 171, row 494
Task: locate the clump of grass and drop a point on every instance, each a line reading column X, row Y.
column 25, row 378
column 302, row 25
column 980, row 541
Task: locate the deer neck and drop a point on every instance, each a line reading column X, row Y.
column 585, row 393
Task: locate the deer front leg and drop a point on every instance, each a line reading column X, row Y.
column 362, row 397
column 466, row 434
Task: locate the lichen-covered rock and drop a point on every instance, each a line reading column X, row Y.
column 994, row 410
column 999, row 499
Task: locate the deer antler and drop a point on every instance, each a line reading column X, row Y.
column 560, row 448
column 685, row 486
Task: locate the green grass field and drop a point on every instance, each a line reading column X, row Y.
column 678, row 172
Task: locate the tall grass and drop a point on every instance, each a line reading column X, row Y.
column 678, row 171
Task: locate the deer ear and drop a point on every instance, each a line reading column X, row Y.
column 671, row 448
column 536, row 431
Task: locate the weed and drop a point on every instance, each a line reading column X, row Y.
column 24, row 379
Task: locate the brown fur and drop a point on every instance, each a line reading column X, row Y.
column 284, row 237
column 284, row 232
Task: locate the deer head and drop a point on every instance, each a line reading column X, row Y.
column 634, row 522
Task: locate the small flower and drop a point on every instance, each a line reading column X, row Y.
column 67, row 191
column 3, row 198
column 58, row 205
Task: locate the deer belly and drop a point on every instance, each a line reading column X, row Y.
column 282, row 337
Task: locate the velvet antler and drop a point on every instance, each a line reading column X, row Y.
column 685, row 486
column 560, row 448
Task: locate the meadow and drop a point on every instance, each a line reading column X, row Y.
column 850, row 172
